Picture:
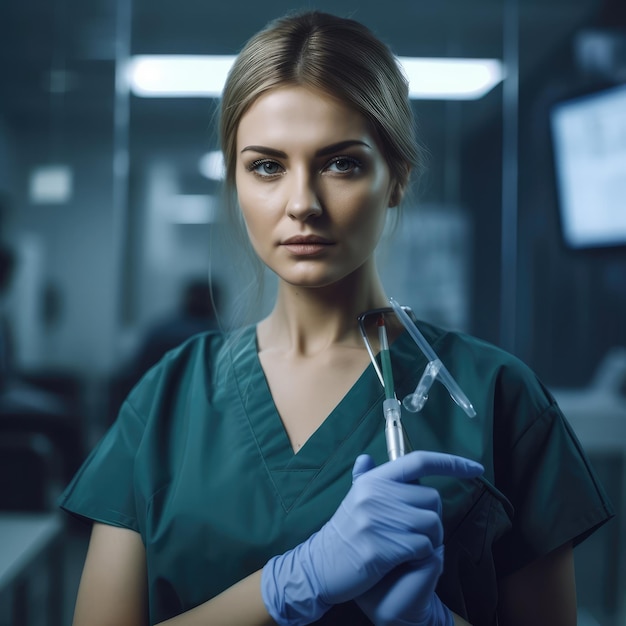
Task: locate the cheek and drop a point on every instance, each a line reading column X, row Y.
column 252, row 224
column 257, row 223
column 256, row 198
column 246, row 216
column 366, row 208
column 249, row 202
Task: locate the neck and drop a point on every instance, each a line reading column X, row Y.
column 310, row 320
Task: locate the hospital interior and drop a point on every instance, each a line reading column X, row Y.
column 111, row 229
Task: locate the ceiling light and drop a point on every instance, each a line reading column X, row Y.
column 178, row 76
column 451, row 79
column 182, row 76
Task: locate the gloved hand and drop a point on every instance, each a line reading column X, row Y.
column 406, row 595
column 383, row 521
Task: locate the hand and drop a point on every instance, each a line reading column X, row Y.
column 406, row 595
column 383, row 521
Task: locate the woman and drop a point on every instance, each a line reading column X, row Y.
column 222, row 494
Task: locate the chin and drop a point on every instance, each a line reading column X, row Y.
column 318, row 274
column 314, row 280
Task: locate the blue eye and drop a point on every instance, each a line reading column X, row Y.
column 343, row 165
column 265, row 167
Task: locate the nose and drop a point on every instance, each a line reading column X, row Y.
column 303, row 201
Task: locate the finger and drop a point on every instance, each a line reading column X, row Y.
column 422, row 463
column 405, row 494
column 364, row 463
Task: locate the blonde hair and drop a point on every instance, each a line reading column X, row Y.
column 337, row 56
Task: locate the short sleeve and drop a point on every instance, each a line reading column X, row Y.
column 103, row 488
column 544, row 472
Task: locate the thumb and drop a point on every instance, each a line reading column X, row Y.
column 364, row 463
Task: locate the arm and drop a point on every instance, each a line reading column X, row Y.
column 227, row 609
column 238, row 605
column 541, row 594
column 113, row 589
column 375, row 528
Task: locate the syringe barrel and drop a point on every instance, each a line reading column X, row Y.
column 393, row 428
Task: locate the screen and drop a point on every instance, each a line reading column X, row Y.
column 589, row 139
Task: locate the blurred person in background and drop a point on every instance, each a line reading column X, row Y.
column 195, row 314
column 246, row 481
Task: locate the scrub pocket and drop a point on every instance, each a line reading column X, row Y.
column 469, row 585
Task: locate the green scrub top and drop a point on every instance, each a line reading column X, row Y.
column 198, row 463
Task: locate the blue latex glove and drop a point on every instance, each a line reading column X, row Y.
column 406, row 596
column 383, row 521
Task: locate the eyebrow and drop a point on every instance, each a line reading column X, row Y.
column 335, row 147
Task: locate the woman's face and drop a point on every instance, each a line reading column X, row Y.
column 312, row 184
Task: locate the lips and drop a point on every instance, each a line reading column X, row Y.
column 306, row 239
column 306, row 245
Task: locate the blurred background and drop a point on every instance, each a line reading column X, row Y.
column 111, row 224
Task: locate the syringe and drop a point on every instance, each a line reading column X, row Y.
column 392, row 411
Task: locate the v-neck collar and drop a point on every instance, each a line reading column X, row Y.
column 366, row 394
column 355, row 426
column 267, row 424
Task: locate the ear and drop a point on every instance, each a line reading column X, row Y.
column 396, row 195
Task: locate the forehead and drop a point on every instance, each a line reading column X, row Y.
column 295, row 116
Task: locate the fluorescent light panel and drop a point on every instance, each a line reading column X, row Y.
column 184, row 76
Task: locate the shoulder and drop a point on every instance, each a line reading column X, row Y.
column 485, row 358
column 197, row 363
column 503, row 385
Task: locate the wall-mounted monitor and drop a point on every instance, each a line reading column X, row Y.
column 589, row 142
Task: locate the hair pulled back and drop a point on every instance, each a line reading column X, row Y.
column 334, row 55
